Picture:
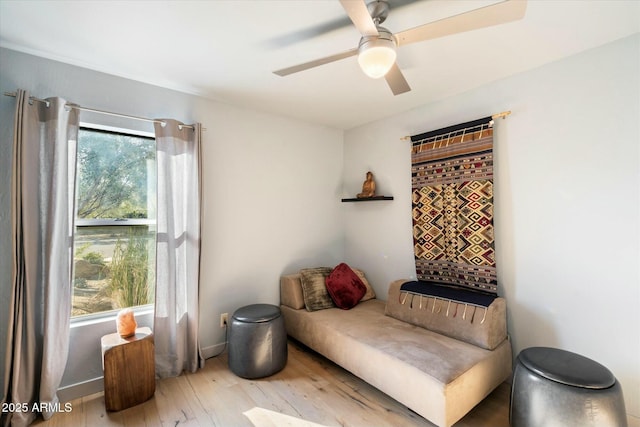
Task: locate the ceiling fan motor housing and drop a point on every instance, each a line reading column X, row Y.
column 384, row 39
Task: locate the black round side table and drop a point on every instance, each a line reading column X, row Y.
column 257, row 341
column 558, row 388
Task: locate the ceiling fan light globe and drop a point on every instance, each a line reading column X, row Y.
column 377, row 54
column 375, row 62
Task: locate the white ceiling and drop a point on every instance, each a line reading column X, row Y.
column 227, row 50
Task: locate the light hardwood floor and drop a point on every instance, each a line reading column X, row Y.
column 310, row 388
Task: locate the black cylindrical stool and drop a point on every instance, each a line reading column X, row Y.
column 257, row 341
column 557, row 388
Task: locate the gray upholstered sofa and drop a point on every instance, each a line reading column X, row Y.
column 438, row 358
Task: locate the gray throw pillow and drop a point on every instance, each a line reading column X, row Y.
column 314, row 288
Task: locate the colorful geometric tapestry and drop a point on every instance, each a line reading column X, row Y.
column 452, row 182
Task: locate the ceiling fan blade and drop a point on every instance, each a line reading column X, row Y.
column 292, row 38
column 311, row 64
column 359, row 14
column 499, row 13
column 317, row 30
column 396, row 81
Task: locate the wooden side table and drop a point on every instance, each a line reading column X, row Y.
column 129, row 369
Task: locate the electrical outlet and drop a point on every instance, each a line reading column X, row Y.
column 224, row 319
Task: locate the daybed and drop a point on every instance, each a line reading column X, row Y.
column 437, row 357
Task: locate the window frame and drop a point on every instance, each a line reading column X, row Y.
column 109, row 315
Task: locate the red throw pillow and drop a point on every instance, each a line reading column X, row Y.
column 345, row 287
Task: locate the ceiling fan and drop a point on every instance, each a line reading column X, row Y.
column 377, row 48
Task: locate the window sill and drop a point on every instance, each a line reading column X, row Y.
column 108, row 316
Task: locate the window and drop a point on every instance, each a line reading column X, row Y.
column 114, row 245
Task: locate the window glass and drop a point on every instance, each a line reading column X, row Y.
column 114, row 243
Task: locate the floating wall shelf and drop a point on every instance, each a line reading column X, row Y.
column 368, row 199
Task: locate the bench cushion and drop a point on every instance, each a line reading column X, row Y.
column 484, row 327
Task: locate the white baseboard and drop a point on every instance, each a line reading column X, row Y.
column 85, row 388
column 213, row 350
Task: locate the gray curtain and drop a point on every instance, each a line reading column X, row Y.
column 42, row 202
column 177, row 248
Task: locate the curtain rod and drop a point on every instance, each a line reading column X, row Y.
column 502, row 115
column 94, row 110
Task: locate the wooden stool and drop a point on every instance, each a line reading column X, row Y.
column 129, row 369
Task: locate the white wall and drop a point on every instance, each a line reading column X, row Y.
column 271, row 191
column 567, row 197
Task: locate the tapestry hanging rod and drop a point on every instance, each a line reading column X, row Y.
column 502, row 115
column 94, row 110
